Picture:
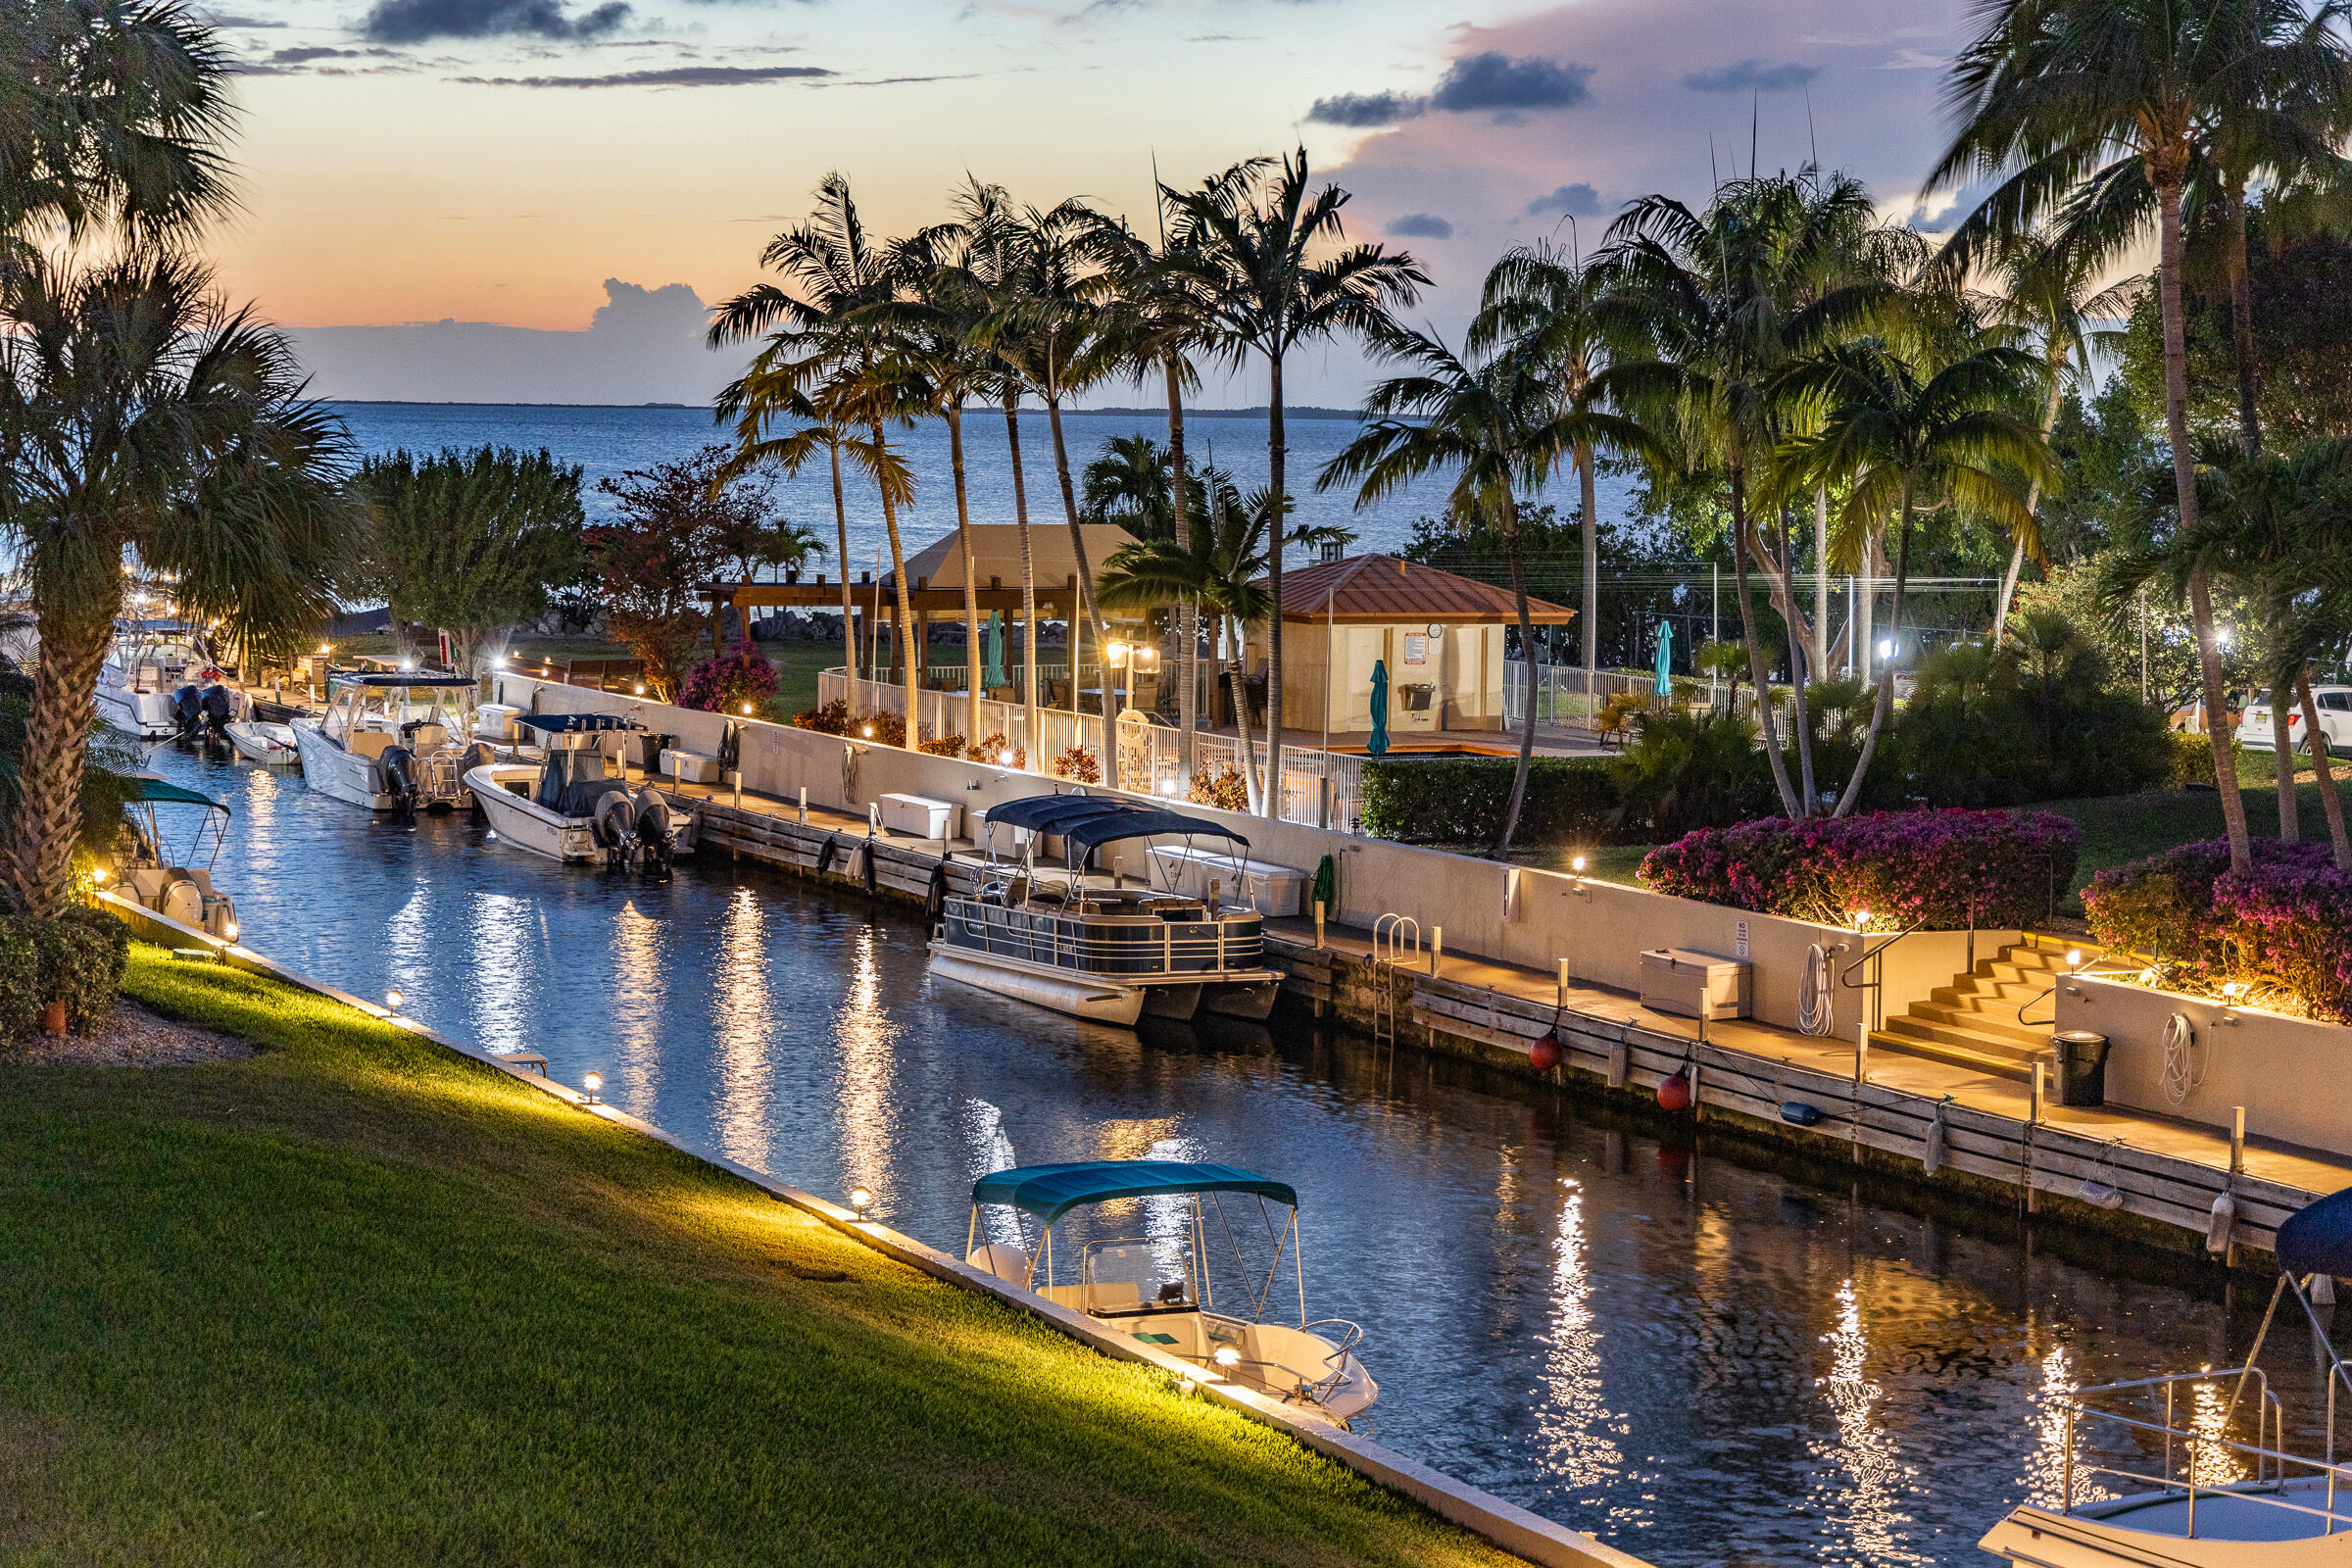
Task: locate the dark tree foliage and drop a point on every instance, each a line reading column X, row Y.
column 679, row 525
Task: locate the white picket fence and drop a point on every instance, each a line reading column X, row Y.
column 1147, row 756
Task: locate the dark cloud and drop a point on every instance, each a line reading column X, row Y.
column 1579, row 199
column 1365, row 111
column 299, row 57
column 669, row 76
column 222, row 19
column 1495, row 81
column 1751, row 76
column 1421, row 225
column 417, row 21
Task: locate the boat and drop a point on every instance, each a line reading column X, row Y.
column 398, row 741
column 1158, row 1289
column 2150, row 1476
column 159, row 870
column 1110, row 954
column 261, row 742
column 150, row 664
column 566, row 806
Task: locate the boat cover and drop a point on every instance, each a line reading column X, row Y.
column 1052, row 1191
column 148, row 787
column 574, row 723
column 398, row 678
column 2316, row 1238
column 1047, row 812
column 1141, row 825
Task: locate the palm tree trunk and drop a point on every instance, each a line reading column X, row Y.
column 1277, row 449
column 2282, row 749
column 2241, row 321
column 1886, row 697
column 2184, row 486
column 1188, row 642
column 1086, row 575
column 1821, row 583
column 1799, row 645
column 1590, row 605
column 971, row 586
column 849, row 611
column 2016, row 552
column 903, row 593
column 74, row 630
column 1512, row 554
column 1768, row 725
column 2329, row 803
column 1020, row 518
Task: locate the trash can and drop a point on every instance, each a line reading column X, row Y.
column 2082, row 1067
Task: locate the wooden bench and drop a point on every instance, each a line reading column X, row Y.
column 920, row 817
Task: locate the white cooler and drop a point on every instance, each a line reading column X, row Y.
column 1694, row 985
column 495, row 722
column 689, row 767
column 921, row 815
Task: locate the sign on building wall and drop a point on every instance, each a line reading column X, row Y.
column 1416, row 648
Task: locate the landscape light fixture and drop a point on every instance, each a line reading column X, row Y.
column 641, row 688
column 1578, row 886
column 594, row 1083
column 230, row 930
column 2074, row 958
column 1005, row 757
column 860, row 1200
column 747, row 709
column 1861, row 918
column 867, row 730
column 1191, row 1384
column 1227, row 1357
column 392, row 1002
column 98, row 874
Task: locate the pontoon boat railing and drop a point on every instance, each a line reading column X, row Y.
column 1055, row 940
column 2270, row 1460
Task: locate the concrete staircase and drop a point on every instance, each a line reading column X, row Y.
column 1973, row 1023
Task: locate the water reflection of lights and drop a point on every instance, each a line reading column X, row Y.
column 2044, row 1480
column 1868, row 1506
column 991, row 1150
column 739, row 1008
column 864, row 1036
column 503, row 969
column 1578, row 1428
column 2216, row 1464
column 637, row 986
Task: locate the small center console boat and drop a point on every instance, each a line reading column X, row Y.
column 1107, row 953
column 566, row 806
column 394, row 742
column 260, row 741
column 172, row 873
column 2150, row 1476
column 152, row 660
column 1158, row 1290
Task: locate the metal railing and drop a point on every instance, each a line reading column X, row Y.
column 2270, row 1460
column 1875, row 958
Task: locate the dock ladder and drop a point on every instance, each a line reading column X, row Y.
column 1391, row 933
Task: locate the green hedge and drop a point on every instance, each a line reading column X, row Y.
column 79, row 958
column 1461, row 801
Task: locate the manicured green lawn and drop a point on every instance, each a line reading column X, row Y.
column 352, row 1301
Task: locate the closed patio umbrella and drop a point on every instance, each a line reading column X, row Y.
column 1665, row 686
column 1378, row 744
column 992, row 674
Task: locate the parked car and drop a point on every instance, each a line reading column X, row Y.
column 2189, row 718
column 2334, row 703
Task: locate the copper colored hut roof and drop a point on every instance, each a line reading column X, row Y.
column 1382, row 590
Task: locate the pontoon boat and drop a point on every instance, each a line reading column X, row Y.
column 396, row 742
column 568, row 807
column 2149, row 1474
column 172, row 874
column 1107, row 953
column 1159, row 1289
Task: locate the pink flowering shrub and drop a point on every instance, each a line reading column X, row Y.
column 2284, row 929
column 1947, row 869
column 724, row 685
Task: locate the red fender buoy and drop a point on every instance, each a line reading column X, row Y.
column 1675, row 1094
column 1544, row 1055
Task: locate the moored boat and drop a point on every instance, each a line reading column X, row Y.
column 262, row 742
column 150, row 662
column 172, row 872
column 1112, row 954
column 567, row 805
column 395, row 742
column 1159, row 1289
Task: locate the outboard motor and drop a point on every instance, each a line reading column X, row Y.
column 219, row 709
column 187, row 713
column 398, row 766
column 657, row 841
column 615, row 826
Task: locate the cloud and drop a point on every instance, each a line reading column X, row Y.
column 419, row 21
column 1751, row 76
column 1421, row 225
column 1365, row 111
column 667, row 77
column 1579, row 199
column 1493, row 81
column 223, row 19
column 299, row 57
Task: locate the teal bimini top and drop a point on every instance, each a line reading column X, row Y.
column 162, row 792
column 1052, row 1191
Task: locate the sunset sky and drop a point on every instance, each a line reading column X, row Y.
column 531, row 164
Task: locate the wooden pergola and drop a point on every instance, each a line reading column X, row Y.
column 1055, row 600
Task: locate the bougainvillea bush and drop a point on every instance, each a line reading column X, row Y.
column 2284, row 929
column 726, row 685
column 1943, row 870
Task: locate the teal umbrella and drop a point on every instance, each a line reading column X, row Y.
column 1665, row 686
column 1378, row 744
column 992, row 675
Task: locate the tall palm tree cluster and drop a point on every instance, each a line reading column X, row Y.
column 1003, row 302
column 146, row 426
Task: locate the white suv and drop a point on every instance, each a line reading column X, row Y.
column 2334, row 703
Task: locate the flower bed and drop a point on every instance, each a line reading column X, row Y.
column 2282, row 931
column 1946, row 871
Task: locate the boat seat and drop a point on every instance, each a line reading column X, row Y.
column 429, row 737
column 1113, row 1296
column 147, row 884
column 1005, row 1260
column 202, row 880
column 369, row 743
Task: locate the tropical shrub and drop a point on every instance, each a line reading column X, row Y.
column 885, row 729
column 2282, row 930
column 1461, row 800
column 945, row 746
column 77, row 958
column 991, row 749
column 1684, row 771
column 1226, row 789
column 827, row 718
column 1079, row 764
column 724, row 685
column 1946, row 870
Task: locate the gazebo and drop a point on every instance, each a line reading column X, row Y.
column 1439, row 634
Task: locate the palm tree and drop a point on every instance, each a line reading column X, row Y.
column 1497, row 423
column 766, row 396
column 2092, row 112
column 148, row 422
column 833, row 350
column 1128, row 486
column 1266, row 291
column 1901, row 429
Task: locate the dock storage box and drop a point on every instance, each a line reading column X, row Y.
column 1694, row 985
column 494, row 720
column 921, row 815
column 689, row 767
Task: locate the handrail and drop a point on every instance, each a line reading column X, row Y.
column 1869, row 953
column 1876, row 984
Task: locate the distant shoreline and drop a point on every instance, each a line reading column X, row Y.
column 1308, row 412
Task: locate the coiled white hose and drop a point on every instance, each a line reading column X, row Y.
column 1816, row 997
column 2181, row 1077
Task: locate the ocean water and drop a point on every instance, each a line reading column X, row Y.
column 608, row 441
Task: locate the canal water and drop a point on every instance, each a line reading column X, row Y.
column 1704, row 1363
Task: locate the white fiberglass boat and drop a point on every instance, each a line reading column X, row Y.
column 566, row 806
column 398, row 742
column 172, row 874
column 1107, row 953
column 2150, row 1476
column 1158, row 1290
column 261, row 742
column 152, row 660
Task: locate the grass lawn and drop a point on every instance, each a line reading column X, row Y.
column 351, row 1300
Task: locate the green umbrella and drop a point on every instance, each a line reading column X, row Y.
column 993, row 654
column 1378, row 744
column 1665, row 686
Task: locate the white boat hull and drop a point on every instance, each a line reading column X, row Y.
column 525, row 823
column 2151, row 1531
column 145, row 713
column 260, row 742
column 1079, row 996
column 338, row 775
